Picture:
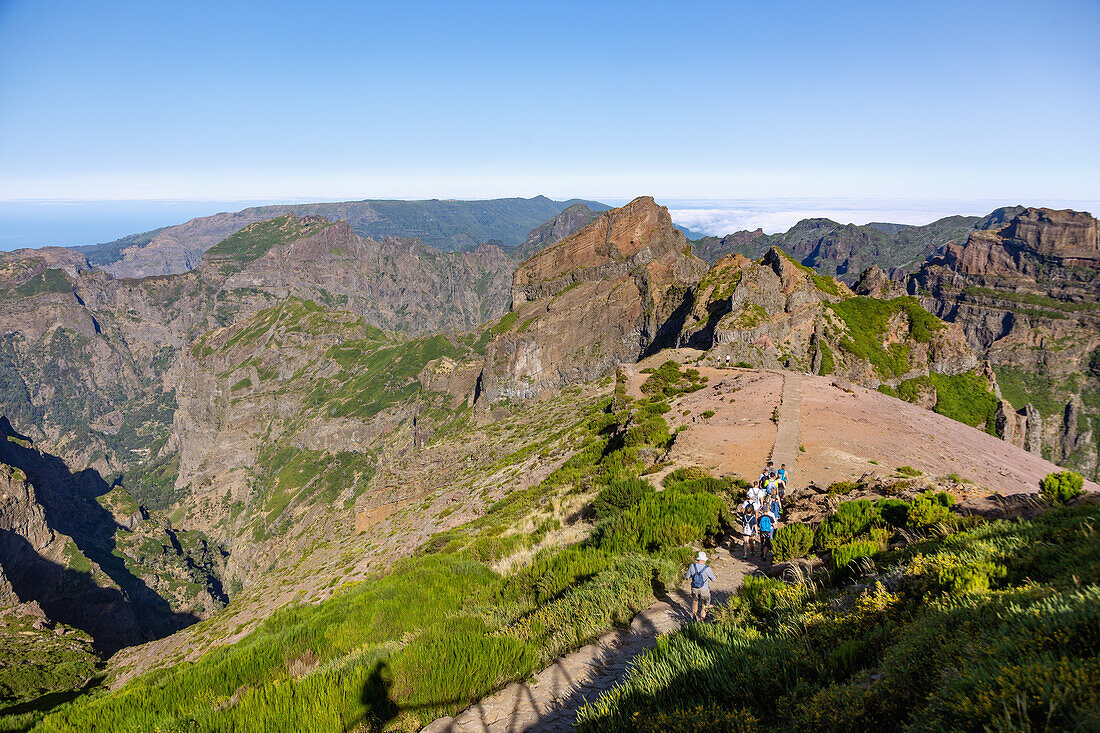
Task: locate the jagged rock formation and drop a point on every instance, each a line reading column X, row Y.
column 776, row 313
column 561, row 226
column 597, row 298
column 875, row 283
column 1025, row 291
column 846, row 250
column 449, row 226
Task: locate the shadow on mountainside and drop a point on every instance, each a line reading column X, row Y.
column 115, row 617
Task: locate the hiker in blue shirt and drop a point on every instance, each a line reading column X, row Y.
column 701, row 576
column 767, row 529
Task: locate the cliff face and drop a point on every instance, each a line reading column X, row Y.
column 776, row 313
column 597, row 298
column 88, row 557
column 1027, row 294
column 561, row 226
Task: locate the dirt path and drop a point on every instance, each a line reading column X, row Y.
column 550, row 701
column 788, row 435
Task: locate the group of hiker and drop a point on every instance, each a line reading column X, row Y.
column 758, row 516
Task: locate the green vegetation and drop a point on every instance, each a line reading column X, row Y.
column 50, row 280
column 744, row 365
column 751, row 316
column 1021, row 386
column 40, row 668
column 669, row 381
column 867, row 322
column 505, row 323
column 721, row 282
column 255, row 240
column 286, row 474
column 828, row 363
column 442, row 629
column 991, row 628
column 965, row 397
column 620, row 495
column 908, row 471
column 792, row 541
column 707, row 414
column 375, row 376
column 1044, row 301
column 1059, row 488
column 822, row 282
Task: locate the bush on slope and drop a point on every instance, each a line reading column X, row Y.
column 992, row 628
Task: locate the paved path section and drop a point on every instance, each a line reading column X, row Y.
column 787, row 439
column 551, row 700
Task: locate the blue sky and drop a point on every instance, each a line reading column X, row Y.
column 717, row 100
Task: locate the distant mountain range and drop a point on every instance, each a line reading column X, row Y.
column 450, row 226
column 846, row 250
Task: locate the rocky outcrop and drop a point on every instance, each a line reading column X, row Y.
column 592, row 301
column 875, row 283
column 776, row 313
column 1026, row 291
column 561, row 226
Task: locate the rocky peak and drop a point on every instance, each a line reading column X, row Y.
column 1032, row 236
column 617, row 242
column 877, row 284
column 561, row 226
column 1067, row 235
column 599, row 297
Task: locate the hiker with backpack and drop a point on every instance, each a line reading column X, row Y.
column 701, row 576
column 767, row 531
column 748, row 527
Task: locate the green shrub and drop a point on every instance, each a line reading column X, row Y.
column 744, row 365
column 894, row 511
column 792, row 541
column 842, row 487
column 925, row 511
column 908, row 471
column 689, row 473
column 664, row 521
column 619, row 495
column 707, row 414
column 948, row 648
column 1059, row 488
column 850, row 519
column 844, row 554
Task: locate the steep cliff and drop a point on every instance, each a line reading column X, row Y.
column 88, row 556
column 776, row 313
column 604, row 295
column 1027, row 294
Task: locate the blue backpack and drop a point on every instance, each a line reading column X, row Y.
column 698, row 577
column 766, row 524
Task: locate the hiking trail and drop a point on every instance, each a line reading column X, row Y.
column 550, row 701
column 788, row 438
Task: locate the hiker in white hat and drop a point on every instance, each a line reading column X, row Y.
column 701, row 576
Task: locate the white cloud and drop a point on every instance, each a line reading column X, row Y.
column 779, row 216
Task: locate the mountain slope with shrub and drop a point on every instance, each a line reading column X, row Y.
column 990, row 627
column 1025, row 291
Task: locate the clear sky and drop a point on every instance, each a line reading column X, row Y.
column 322, row 100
